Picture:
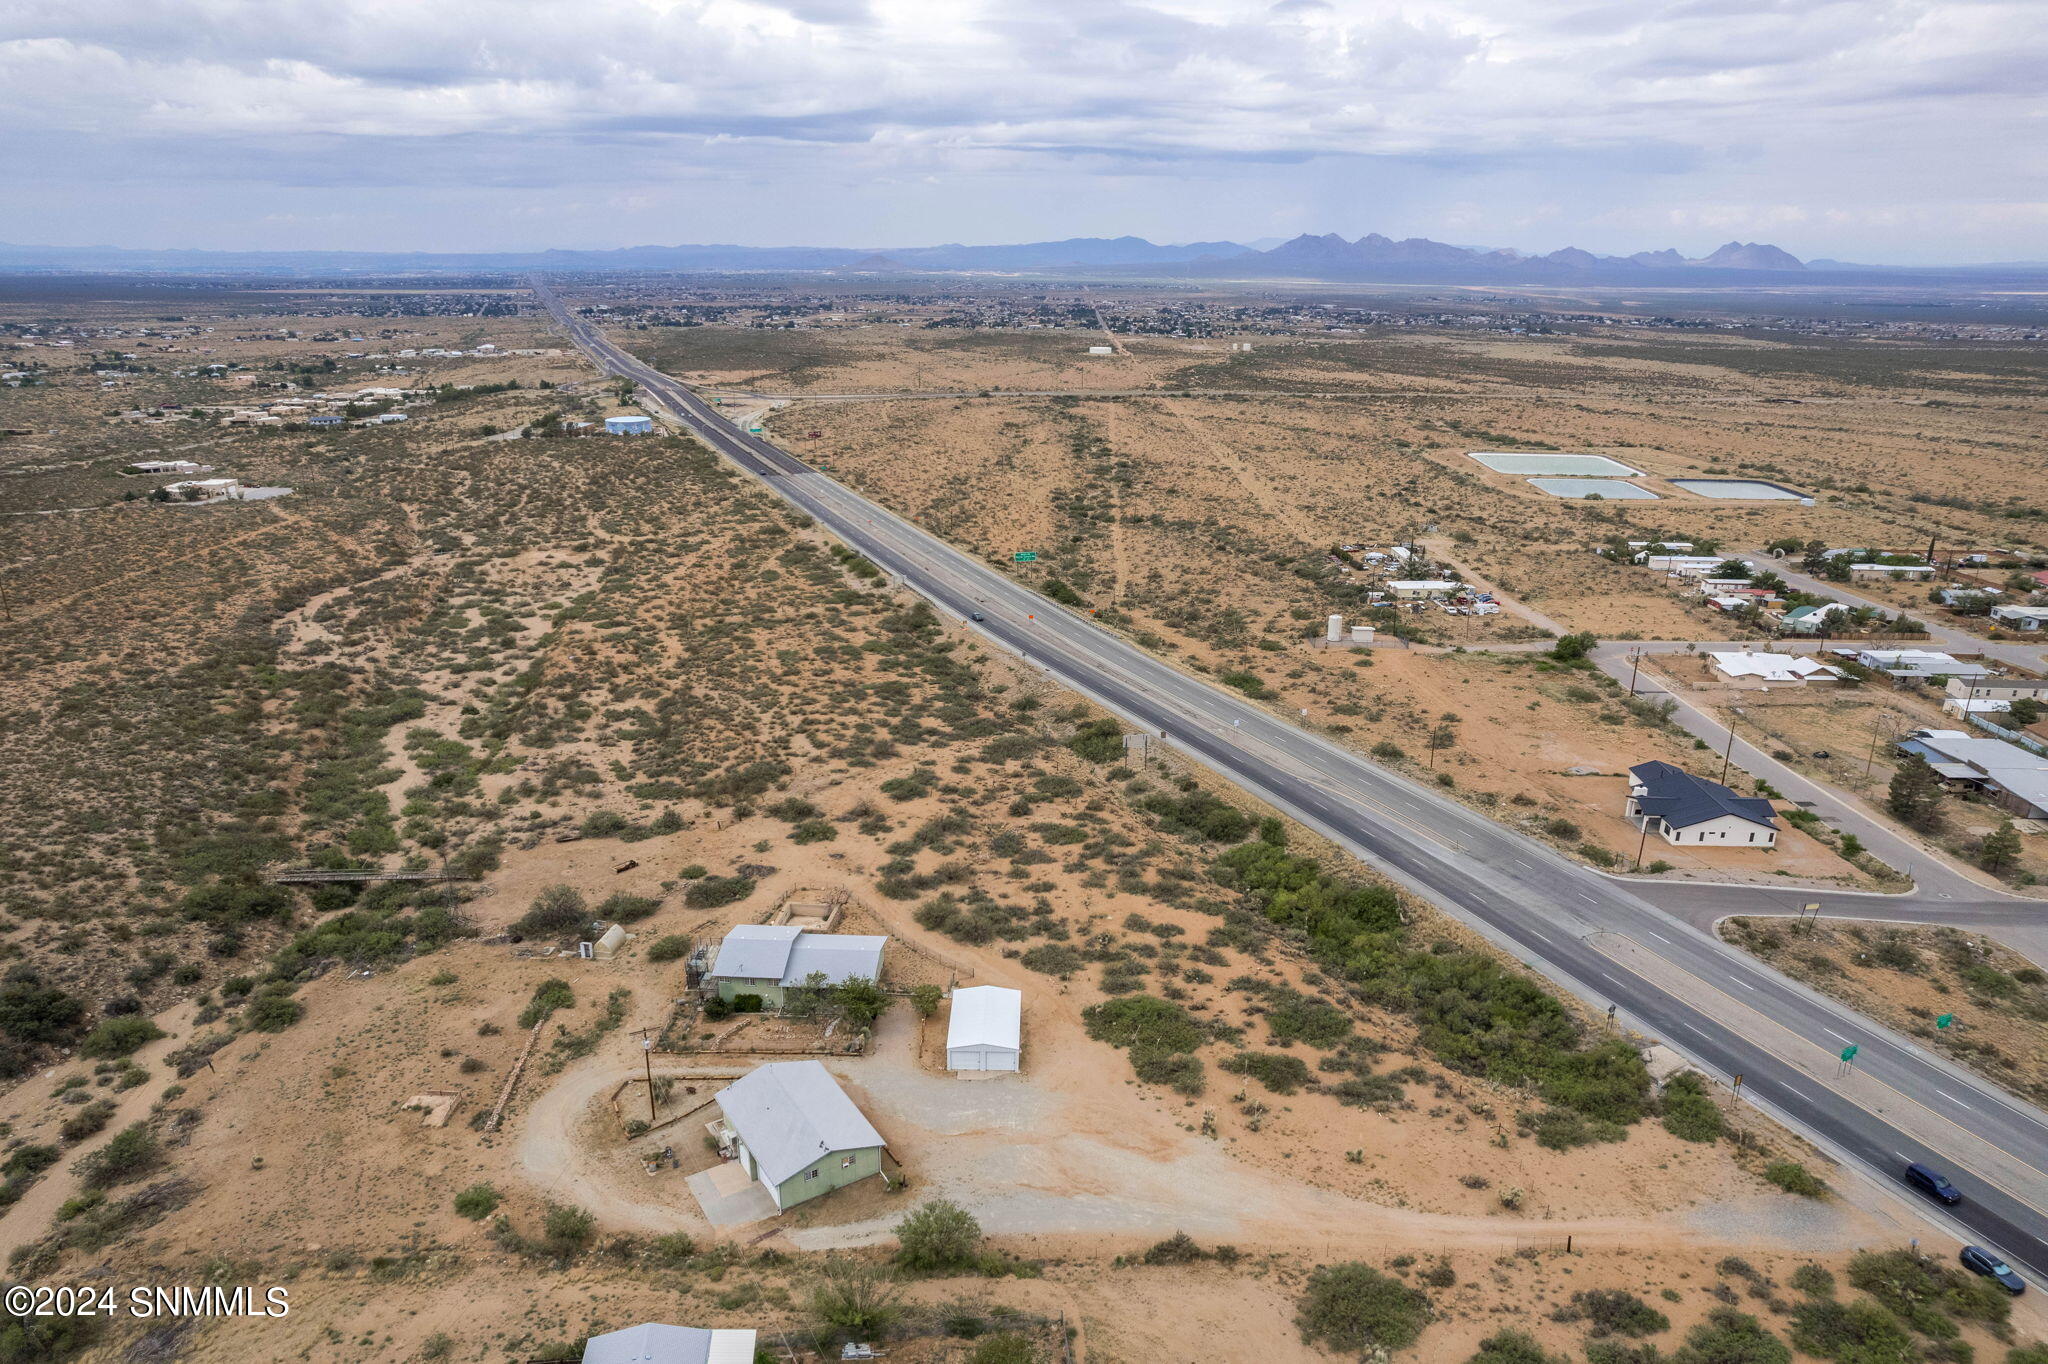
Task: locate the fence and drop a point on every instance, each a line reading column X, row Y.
column 512, row 1078
column 2011, row 736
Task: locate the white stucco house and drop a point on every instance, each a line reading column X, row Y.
column 1686, row 811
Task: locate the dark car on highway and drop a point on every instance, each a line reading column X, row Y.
column 976, row 615
column 1978, row 1260
column 1932, row 1183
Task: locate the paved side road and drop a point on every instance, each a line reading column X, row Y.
column 1593, row 934
column 1937, row 877
column 1944, row 637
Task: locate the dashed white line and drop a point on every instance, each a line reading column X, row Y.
column 1743, row 983
column 1655, row 934
column 1952, row 1098
column 1832, row 1033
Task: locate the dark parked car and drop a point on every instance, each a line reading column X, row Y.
column 976, row 615
column 1978, row 1260
column 1933, row 1184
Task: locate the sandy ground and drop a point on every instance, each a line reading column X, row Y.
column 1907, row 977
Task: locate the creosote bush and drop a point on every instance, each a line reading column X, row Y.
column 939, row 1236
column 1353, row 1308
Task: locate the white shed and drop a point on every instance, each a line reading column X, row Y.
column 607, row 944
column 986, row 1030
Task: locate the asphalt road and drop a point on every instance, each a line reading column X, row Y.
column 1591, row 933
column 2021, row 653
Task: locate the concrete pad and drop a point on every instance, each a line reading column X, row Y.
column 730, row 1207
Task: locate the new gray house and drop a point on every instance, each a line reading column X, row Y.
column 769, row 959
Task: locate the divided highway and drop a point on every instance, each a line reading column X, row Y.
column 1591, row 933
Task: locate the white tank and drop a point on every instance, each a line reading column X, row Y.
column 1361, row 634
column 1336, row 630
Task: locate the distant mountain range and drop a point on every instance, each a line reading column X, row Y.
column 1330, row 257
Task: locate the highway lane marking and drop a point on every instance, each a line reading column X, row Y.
column 1951, row 1098
column 1658, row 936
column 1884, row 1114
column 1084, row 661
column 1832, row 1033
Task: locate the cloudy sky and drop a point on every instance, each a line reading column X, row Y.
column 1888, row 130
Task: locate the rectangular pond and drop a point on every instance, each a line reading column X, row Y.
column 1507, row 462
column 1740, row 489
column 1611, row 488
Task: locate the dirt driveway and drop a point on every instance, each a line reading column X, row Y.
column 1070, row 1154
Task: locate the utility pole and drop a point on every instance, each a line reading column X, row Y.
column 647, row 1055
column 1636, row 655
column 1729, row 751
column 1642, row 842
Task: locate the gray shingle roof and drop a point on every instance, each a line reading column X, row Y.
column 1680, row 799
column 791, row 1114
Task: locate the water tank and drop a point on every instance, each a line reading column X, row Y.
column 1336, row 629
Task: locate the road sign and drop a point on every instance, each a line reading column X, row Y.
column 1025, row 556
column 1849, row 1052
column 1944, row 1020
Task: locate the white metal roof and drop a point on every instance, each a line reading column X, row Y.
column 792, row 1113
column 755, row 951
column 839, row 956
column 1920, row 662
column 1769, row 667
column 654, row 1342
column 788, row 955
column 986, row 1016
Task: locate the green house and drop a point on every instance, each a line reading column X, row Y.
column 770, row 959
column 793, row 1129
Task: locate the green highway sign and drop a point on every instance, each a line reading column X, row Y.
column 1944, row 1020
column 1025, row 556
column 1849, row 1052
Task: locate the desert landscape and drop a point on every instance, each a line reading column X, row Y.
column 504, row 685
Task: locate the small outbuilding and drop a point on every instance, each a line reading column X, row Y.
column 985, row 1031
column 628, row 426
column 606, row 945
column 654, row 1342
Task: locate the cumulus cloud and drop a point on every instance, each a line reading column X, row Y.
column 1736, row 102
